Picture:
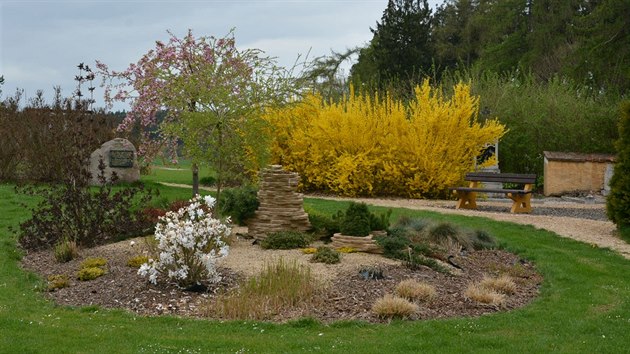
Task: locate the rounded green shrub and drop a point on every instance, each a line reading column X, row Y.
column 93, row 262
column 58, row 281
column 323, row 226
column 356, row 221
column 208, row 181
column 90, row 273
column 239, row 203
column 137, row 261
column 285, row 240
column 326, row 255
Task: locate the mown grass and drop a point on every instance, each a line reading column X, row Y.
column 180, row 173
column 583, row 307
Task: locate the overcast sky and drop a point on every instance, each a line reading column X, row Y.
column 43, row 41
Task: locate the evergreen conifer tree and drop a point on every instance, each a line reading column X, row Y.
column 618, row 202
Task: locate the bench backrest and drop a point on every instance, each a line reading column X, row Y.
column 501, row 177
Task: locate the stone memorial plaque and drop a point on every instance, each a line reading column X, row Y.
column 121, row 158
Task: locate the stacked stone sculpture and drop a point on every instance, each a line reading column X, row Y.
column 281, row 207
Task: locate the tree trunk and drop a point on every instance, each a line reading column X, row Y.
column 195, row 179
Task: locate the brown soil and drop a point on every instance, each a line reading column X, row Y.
column 345, row 295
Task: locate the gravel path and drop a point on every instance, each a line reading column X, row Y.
column 582, row 222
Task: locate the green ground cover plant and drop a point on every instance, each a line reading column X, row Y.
column 583, row 307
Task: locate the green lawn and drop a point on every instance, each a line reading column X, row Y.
column 584, row 307
column 180, row 173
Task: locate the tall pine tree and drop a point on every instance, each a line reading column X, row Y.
column 401, row 49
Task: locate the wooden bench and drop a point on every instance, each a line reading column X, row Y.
column 521, row 197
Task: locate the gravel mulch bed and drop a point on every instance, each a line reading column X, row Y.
column 345, row 294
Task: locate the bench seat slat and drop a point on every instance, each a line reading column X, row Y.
column 467, row 189
column 501, row 177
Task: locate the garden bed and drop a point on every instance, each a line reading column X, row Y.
column 346, row 295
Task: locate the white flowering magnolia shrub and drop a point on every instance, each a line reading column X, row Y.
column 189, row 242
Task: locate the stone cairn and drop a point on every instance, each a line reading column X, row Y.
column 281, row 207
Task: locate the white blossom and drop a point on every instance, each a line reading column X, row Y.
column 190, row 230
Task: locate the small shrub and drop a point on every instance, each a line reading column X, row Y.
column 152, row 215
column 394, row 245
column 503, row 284
column 372, row 273
column 188, row 244
column 58, row 281
column 394, row 307
column 416, row 261
column 285, row 240
column 137, row 261
column 66, row 250
column 326, row 255
column 380, row 222
column 90, row 273
column 309, row 250
column 208, row 181
column 176, row 205
column 94, row 262
column 414, row 290
column 484, row 295
column 278, row 286
column 346, row 250
column 323, row 226
column 356, row 221
column 105, row 213
column 239, row 203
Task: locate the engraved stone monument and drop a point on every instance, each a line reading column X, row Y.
column 119, row 156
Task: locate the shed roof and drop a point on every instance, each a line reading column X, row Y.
column 578, row 157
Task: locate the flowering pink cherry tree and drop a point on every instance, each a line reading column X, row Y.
column 214, row 95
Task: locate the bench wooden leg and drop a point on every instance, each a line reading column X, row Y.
column 467, row 200
column 522, row 202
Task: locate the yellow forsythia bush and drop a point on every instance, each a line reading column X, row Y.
column 376, row 146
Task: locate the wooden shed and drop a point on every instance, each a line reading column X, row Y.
column 567, row 172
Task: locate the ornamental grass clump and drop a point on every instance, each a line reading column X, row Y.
column 66, row 250
column 390, row 306
column 479, row 293
column 503, row 284
column 414, row 290
column 281, row 285
column 189, row 242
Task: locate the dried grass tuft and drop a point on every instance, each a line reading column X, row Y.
column 503, row 284
column 390, row 306
column 484, row 295
column 415, row 290
column 279, row 286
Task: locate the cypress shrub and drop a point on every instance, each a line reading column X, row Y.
column 618, row 201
